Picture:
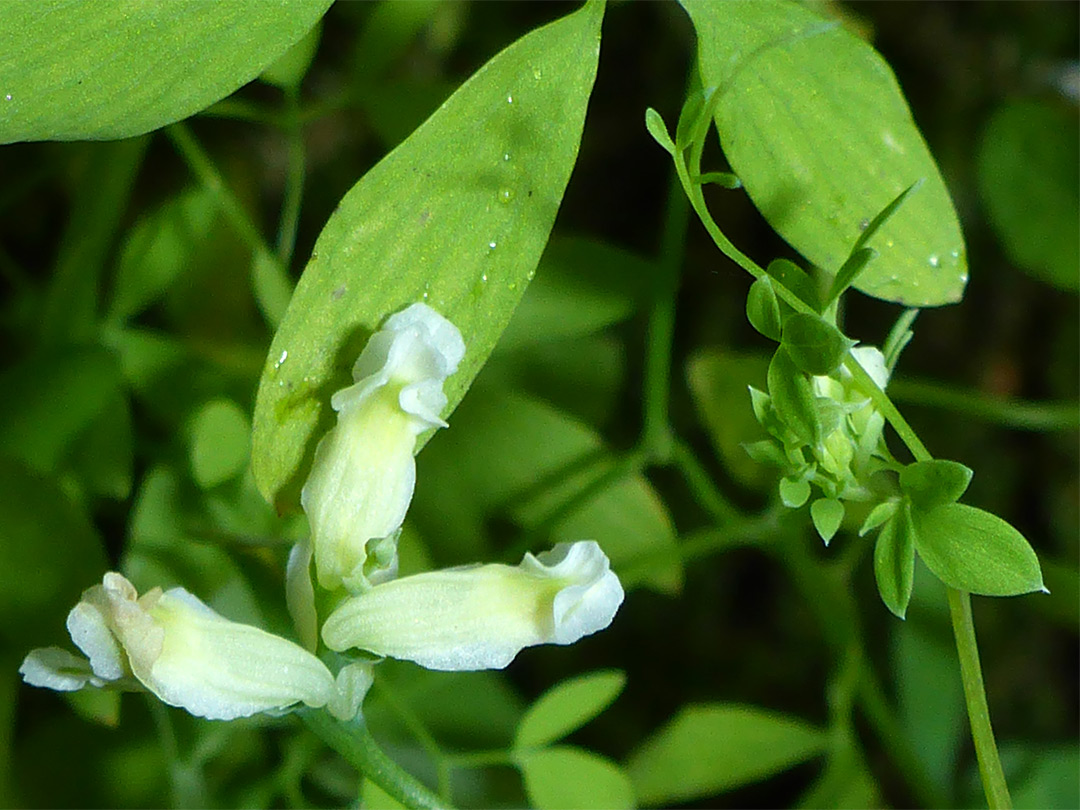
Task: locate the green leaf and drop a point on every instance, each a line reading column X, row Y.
column 795, row 279
column 656, row 127
column 934, row 483
column 1027, row 164
column 158, row 249
column 814, row 344
column 567, row 706
column 794, row 492
column 930, row 707
column 102, row 456
column 564, row 776
column 220, row 442
column 976, row 551
column 763, row 308
column 51, row 554
column 850, row 270
column 814, row 124
column 70, row 310
column 538, row 467
column 894, row 561
column 581, row 287
column 707, row 749
column 718, row 383
column 792, row 397
column 50, row 398
column 457, row 216
column 289, row 70
column 878, row 515
column 827, row 514
column 110, row 69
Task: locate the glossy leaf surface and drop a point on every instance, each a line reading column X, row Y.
column 815, row 125
column 110, row 69
column 457, row 216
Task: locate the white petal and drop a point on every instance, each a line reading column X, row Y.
column 300, row 595
column 219, row 669
column 54, row 668
column 480, row 617
column 360, row 487
column 90, row 632
column 873, row 363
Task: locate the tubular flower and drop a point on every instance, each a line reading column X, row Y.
column 181, row 651
column 363, row 474
column 480, row 617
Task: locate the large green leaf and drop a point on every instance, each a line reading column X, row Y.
column 456, row 216
column 815, row 125
column 709, row 748
column 1028, row 162
column 104, row 69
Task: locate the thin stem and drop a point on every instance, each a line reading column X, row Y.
column 270, row 280
column 993, row 777
column 417, row 728
column 701, row 484
column 660, row 334
column 354, row 742
column 294, row 179
column 1014, row 413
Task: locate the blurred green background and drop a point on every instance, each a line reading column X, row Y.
column 128, row 444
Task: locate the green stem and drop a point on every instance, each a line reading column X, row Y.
column 660, row 334
column 270, row 280
column 354, row 742
column 294, row 179
column 888, row 410
column 993, row 777
column 417, row 728
column 1014, row 413
column 701, row 484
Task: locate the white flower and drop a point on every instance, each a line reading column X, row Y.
column 480, row 617
column 363, row 475
column 181, row 651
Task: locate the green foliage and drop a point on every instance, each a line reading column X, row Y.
column 457, row 216
column 1028, row 160
column 220, row 442
column 142, row 281
column 814, row 344
column 565, row 776
column 894, row 560
column 566, row 707
column 814, row 124
column 827, row 515
column 763, row 308
column 934, row 483
column 711, row 748
column 973, row 550
column 168, row 62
